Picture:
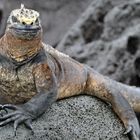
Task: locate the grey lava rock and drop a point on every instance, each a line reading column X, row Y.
column 79, row 118
column 106, row 37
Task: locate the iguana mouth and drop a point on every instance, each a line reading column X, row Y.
column 26, row 29
column 25, row 32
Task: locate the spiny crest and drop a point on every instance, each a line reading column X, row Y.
column 25, row 15
column 22, row 6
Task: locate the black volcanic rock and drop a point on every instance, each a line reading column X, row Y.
column 72, row 119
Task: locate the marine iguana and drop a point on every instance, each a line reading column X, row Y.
column 33, row 75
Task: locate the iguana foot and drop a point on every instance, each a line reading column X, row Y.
column 18, row 116
column 133, row 130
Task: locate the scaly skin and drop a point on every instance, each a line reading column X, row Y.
column 33, row 75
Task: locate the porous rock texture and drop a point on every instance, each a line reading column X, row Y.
column 80, row 118
column 105, row 37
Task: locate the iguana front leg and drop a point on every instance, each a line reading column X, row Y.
column 46, row 95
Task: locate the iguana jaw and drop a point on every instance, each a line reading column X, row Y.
column 20, row 49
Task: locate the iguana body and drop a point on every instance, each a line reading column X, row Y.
column 33, row 75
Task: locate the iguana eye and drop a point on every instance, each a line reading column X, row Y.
column 14, row 19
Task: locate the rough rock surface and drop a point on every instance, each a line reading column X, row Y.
column 107, row 37
column 72, row 119
column 57, row 15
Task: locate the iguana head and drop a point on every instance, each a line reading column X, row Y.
column 23, row 36
column 24, row 23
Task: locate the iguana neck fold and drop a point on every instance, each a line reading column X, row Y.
column 19, row 49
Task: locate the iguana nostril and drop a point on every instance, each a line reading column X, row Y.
column 31, row 23
column 23, row 23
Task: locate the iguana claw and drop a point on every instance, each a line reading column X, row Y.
column 18, row 116
column 133, row 130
